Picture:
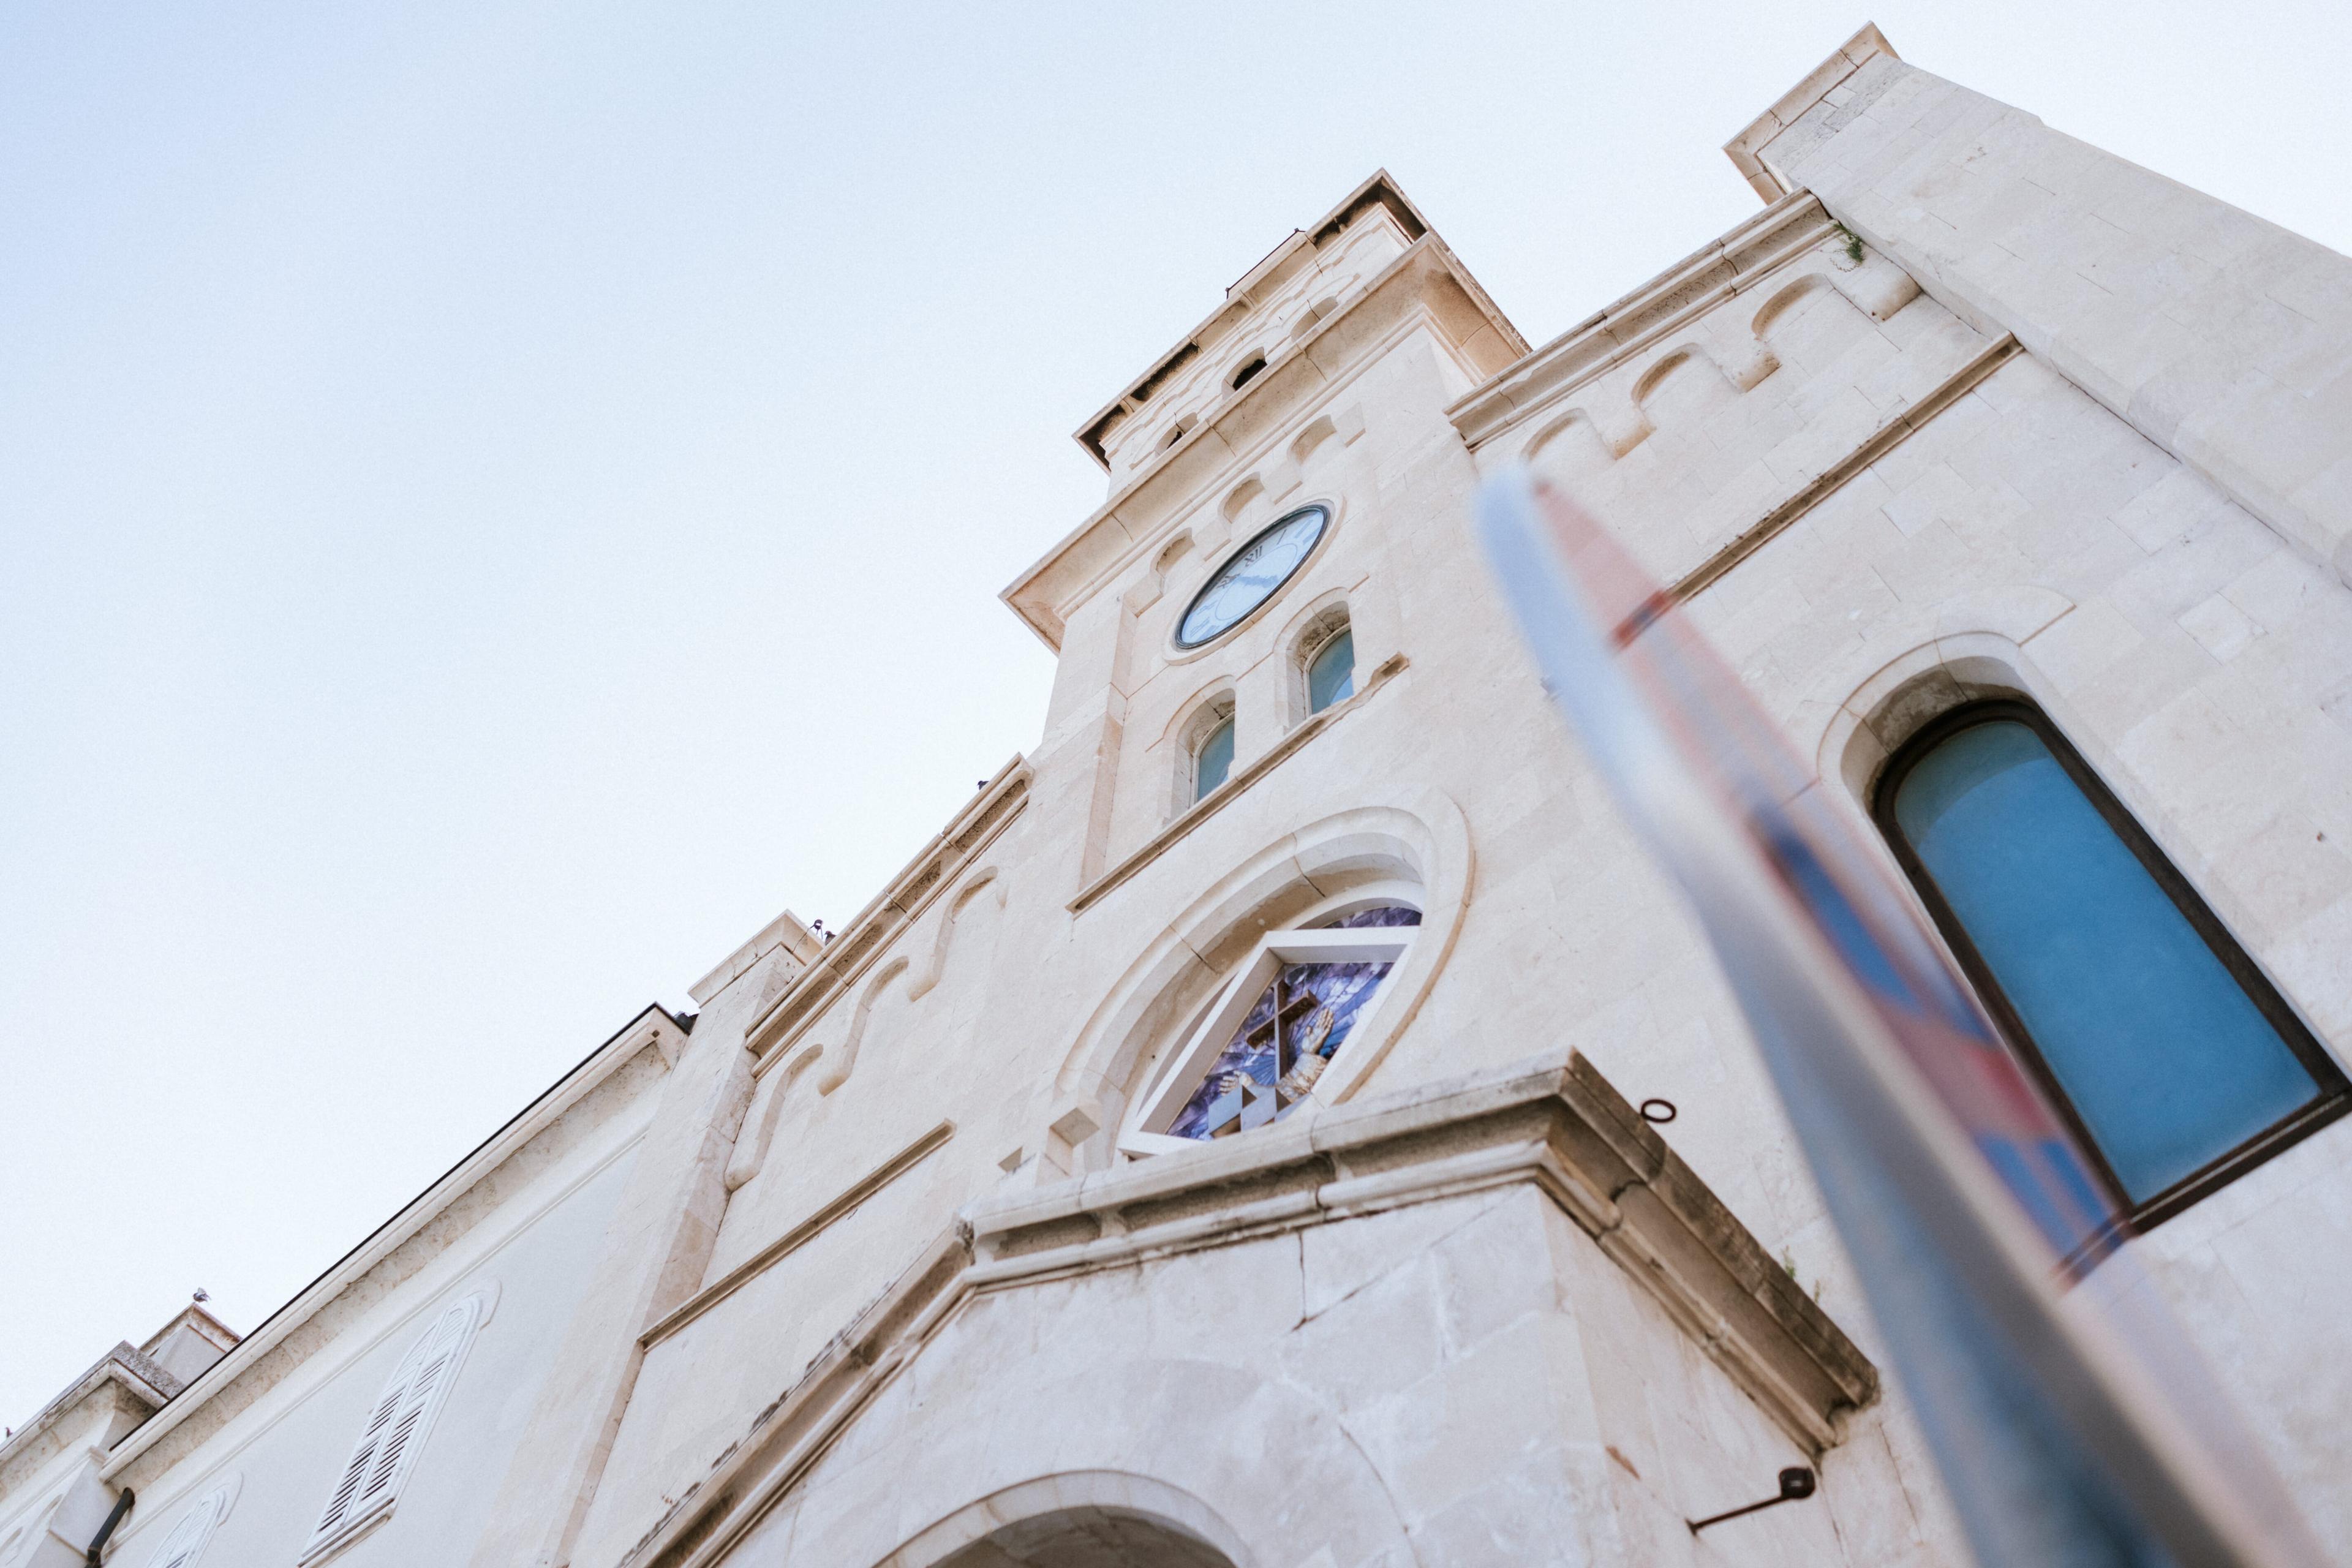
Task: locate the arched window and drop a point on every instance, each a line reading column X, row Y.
column 1272, row 1028
column 2178, row 1064
column 1248, row 373
column 184, row 1547
column 397, row 1424
column 1213, row 754
column 1330, row 665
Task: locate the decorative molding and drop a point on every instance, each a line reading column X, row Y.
column 858, row 945
column 1650, row 315
column 1563, row 1130
column 1241, row 778
column 1830, row 480
column 800, row 1235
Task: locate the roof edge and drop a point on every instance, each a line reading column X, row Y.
column 487, row 1156
column 1378, row 189
column 1745, row 150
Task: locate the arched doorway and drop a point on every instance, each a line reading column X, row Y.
column 1089, row 1538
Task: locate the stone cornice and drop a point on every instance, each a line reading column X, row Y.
column 1562, row 1129
column 122, row 1384
column 1427, row 276
column 653, row 1030
column 1674, row 298
column 854, row 948
column 1745, row 150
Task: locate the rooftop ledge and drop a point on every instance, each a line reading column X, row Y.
column 1745, row 150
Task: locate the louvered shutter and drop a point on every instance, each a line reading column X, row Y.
column 371, row 1479
column 186, row 1541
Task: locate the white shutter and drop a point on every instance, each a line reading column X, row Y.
column 397, row 1422
column 186, row 1543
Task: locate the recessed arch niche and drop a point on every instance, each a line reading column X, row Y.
column 1419, row 855
column 1111, row 1518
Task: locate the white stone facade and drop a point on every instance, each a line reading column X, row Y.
column 849, row 1269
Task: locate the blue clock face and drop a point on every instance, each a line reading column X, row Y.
column 1251, row 577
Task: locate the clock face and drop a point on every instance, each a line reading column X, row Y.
column 1250, row 578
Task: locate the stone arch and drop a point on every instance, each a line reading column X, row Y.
column 1810, row 318
column 1424, row 846
column 1309, row 629
column 1195, row 720
column 1573, row 442
column 1786, row 297
column 984, row 880
column 911, row 1478
column 1311, row 439
column 1238, row 500
column 1680, row 359
column 837, row 1069
column 1147, row 589
column 1155, row 1525
column 1863, row 707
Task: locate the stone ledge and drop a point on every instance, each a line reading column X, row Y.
column 838, row 1207
column 1562, row 1129
column 1567, row 1130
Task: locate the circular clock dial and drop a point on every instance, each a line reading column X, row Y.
column 1251, row 577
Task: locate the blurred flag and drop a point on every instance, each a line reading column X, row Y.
column 2072, row 1422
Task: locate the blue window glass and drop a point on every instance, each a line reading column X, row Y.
column 1213, row 761
column 1331, row 673
column 2165, row 1057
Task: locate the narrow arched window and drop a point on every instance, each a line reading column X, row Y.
column 2178, row 1063
column 1331, row 668
column 397, row 1424
column 184, row 1547
column 1212, row 757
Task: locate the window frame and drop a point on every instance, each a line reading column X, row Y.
column 1220, row 713
column 2334, row 1097
column 192, row 1533
column 1310, row 634
column 372, row 1502
column 1182, row 651
column 1143, row 1131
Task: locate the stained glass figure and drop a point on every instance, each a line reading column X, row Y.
column 1298, row 1025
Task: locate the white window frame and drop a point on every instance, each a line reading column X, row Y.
column 184, row 1546
column 1146, row 1130
column 367, row 1487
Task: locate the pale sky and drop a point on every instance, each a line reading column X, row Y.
column 498, row 500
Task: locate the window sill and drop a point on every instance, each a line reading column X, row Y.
column 1241, row 778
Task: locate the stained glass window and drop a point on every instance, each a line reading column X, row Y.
column 1300, row 1020
column 1331, row 673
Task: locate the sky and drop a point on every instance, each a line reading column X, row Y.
column 498, row 500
